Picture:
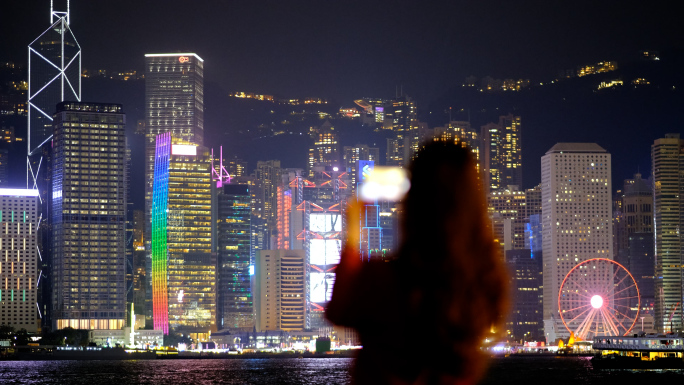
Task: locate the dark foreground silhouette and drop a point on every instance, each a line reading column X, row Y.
column 423, row 317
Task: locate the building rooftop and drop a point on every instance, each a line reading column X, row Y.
column 575, row 148
column 639, row 187
column 174, row 54
column 90, row 107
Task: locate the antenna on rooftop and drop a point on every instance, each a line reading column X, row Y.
column 59, row 14
column 219, row 175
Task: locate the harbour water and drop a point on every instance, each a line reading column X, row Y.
column 509, row 370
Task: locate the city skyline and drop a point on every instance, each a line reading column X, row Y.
column 193, row 288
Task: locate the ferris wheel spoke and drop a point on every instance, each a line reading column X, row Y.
column 605, row 323
column 579, row 315
column 581, row 288
column 627, row 288
column 580, row 327
column 609, row 322
column 617, row 322
column 577, row 308
column 611, row 286
column 619, row 312
column 586, row 324
column 622, row 325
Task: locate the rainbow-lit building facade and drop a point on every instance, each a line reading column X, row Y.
column 183, row 267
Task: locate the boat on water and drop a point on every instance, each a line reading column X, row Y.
column 639, row 351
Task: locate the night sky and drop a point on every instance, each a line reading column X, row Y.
column 343, row 50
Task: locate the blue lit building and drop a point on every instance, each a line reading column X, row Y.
column 233, row 239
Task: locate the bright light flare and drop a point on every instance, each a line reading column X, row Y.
column 386, row 183
column 596, row 301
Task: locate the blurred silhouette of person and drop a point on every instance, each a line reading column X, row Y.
column 422, row 317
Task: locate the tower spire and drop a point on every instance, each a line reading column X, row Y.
column 59, row 14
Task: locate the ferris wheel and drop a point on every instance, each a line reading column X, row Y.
column 599, row 297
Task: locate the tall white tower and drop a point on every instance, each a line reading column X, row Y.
column 576, row 218
column 54, row 68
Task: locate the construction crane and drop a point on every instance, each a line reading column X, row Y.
column 672, row 315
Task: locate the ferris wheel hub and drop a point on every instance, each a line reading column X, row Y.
column 596, row 301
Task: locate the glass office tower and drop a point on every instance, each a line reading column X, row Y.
column 88, row 216
column 235, row 302
column 183, row 267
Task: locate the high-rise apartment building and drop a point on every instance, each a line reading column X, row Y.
column 280, row 290
column 19, row 269
column 174, row 102
column 667, row 157
column 88, row 198
column 183, row 265
column 501, row 152
column 576, row 218
column 234, row 305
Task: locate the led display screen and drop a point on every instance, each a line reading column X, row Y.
column 321, row 285
column 365, row 167
column 321, row 223
column 324, row 251
column 183, row 149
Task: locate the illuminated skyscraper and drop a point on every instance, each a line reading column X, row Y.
column 403, row 113
column 19, row 270
column 325, row 150
column 414, row 139
column 290, row 220
column 525, row 320
column 183, row 267
column 501, row 153
column 510, row 210
column 634, row 214
column 576, row 218
column 258, row 222
column 174, row 102
column 88, row 198
column 54, row 76
column 234, row 295
column 322, row 220
column 667, row 157
column 461, row 132
column 267, row 174
column 353, row 154
column 395, row 150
